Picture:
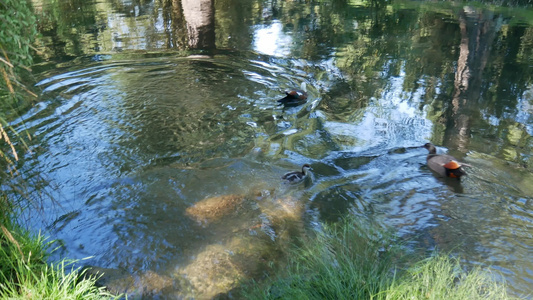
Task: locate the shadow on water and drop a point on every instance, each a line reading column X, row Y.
column 165, row 168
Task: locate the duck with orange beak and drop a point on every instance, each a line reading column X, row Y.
column 444, row 165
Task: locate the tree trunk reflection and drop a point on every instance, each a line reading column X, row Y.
column 200, row 18
column 478, row 29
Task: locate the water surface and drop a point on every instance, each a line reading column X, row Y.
column 134, row 127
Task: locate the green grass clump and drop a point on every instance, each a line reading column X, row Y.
column 354, row 261
column 357, row 261
column 24, row 273
column 442, row 277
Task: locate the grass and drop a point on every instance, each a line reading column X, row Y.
column 25, row 274
column 357, row 261
column 442, row 277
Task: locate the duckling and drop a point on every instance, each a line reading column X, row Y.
column 444, row 165
column 297, row 176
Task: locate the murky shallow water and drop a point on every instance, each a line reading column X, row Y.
column 127, row 146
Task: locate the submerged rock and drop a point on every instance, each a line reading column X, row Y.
column 252, row 231
column 219, row 268
column 152, row 283
column 284, row 217
column 212, row 272
column 214, row 208
column 114, row 280
column 246, row 246
column 118, row 282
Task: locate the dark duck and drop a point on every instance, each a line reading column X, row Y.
column 444, row 165
column 297, row 176
column 294, row 97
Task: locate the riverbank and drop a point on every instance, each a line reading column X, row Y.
column 351, row 260
column 25, row 272
column 355, row 260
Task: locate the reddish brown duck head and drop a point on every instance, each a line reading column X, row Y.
column 444, row 165
column 293, row 97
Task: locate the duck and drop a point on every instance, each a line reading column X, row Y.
column 293, row 97
column 444, row 165
column 297, row 176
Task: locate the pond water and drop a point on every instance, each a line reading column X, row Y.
column 160, row 144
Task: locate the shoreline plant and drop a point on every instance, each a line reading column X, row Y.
column 26, row 274
column 353, row 260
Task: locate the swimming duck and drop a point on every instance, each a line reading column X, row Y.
column 293, row 97
column 297, row 176
column 444, row 165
